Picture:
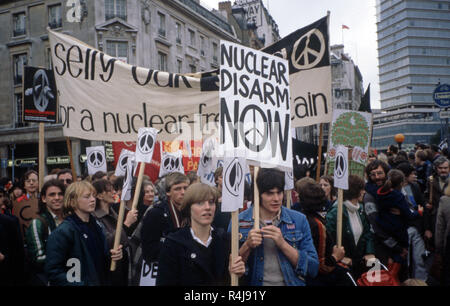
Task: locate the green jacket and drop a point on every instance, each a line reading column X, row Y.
column 36, row 238
column 365, row 243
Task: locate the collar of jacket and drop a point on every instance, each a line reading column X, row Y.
column 100, row 213
column 247, row 215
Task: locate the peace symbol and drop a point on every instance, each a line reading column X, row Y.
column 171, row 163
column 233, row 177
column 41, row 90
column 340, row 165
column 289, row 175
column 257, row 139
column 205, row 160
column 302, row 60
column 145, row 143
column 123, row 162
column 96, row 159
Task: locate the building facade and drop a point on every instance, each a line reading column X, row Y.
column 180, row 36
column 414, row 57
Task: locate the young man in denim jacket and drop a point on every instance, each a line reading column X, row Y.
column 281, row 252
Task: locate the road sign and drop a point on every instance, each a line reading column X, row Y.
column 441, row 95
column 444, row 114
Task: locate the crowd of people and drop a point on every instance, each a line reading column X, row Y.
column 398, row 215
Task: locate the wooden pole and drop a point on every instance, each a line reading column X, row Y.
column 319, row 157
column 41, row 154
column 255, row 200
column 288, row 198
column 118, row 231
column 72, row 166
column 234, row 243
column 339, row 217
column 137, row 190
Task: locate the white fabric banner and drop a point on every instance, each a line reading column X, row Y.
column 171, row 162
column 341, row 166
column 121, row 167
column 145, row 145
column 255, row 107
column 233, row 183
column 95, row 159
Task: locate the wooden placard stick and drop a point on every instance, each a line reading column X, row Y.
column 288, row 198
column 72, row 166
column 255, row 200
column 41, row 154
column 339, row 217
column 234, row 243
column 319, row 157
column 118, row 232
column 137, row 190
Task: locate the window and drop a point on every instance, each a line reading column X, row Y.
column 49, row 59
column 118, row 49
column 178, row 32
column 192, row 38
column 179, row 66
column 19, row 121
column 20, row 61
column 54, row 16
column 162, row 25
column 193, row 68
column 162, row 61
column 115, row 8
column 214, row 52
column 202, row 46
column 19, row 24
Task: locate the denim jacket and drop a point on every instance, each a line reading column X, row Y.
column 295, row 229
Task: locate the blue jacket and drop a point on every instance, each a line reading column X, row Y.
column 295, row 229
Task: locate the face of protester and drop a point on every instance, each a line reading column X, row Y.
column 219, row 182
column 361, row 195
column 66, row 179
column 443, row 170
column 86, row 202
column 271, row 201
column 326, row 187
column 412, row 178
column 17, row 192
column 149, row 194
column 203, row 213
column 107, row 196
column 176, row 193
column 378, row 176
column 31, row 184
column 53, row 198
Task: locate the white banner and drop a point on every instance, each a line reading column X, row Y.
column 255, row 107
column 341, row 168
column 145, row 145
column 95, row 159
column 121, row 167
column 171, row 162
column 233, row 181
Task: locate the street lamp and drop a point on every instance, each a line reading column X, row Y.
column 399, row 138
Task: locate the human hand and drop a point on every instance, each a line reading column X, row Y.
column 428, row 206
column 428, row 234
column 346, row 261
column 254, row 238
column 273, row 233
column 117, row 254
column 237, row 266
column 338, row 253
column 368, row 257
column 2, row 257
column 131, row 217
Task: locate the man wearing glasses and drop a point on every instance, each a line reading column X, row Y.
column 65, row 176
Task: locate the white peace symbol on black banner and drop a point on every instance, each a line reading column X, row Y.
column 308, row 57
column 145, row 143
column 41, row 90
column 171, row 163
column 96, row 159
column 233, row 178
column 340, row 165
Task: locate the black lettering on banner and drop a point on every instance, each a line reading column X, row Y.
column 154, row 269
column 151, row 123
column 173, row 121
column 69, row 60
column 128, row 124
column 86, row 64
column 132, row 122
column 62, row 61
column 280, row 141
column 93, row 58
column 135, row 78
column 145, row 269
column 157, row 79
column 90, row 120
column 109, row 66
column 105, row 122
column 65, row 114
column 310, row 106
column 225, row 118
column 22, row 213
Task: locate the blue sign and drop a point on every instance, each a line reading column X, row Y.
column 441, row 95
column 4, row 163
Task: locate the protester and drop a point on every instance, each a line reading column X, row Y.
column 442, row 231
column 287, row 256
column 65, row 176
column 164, row 217
column 440, row 177
column 150, row 195
column 79, row 239
column 193, row 177
column 218, row 178
column 108, row 218
column 357, row 238
column 197, row 254
column 313, row 199
column 117, row 187
column 424, row 169
column 5, row 203
column 15, row 192
column 50, row 216
column 99, row 175
column 30, row 183
column 327, row 184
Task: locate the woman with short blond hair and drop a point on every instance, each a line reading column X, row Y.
column 79, row 241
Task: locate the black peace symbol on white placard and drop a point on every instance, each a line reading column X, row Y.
column 289, row 175
column 308, row 57
column 205, row 159
column 255, row 134
column 233, row 178
column 146, row 143
column 340, row 165
column 127, row 177
column 171, row 163
column 96, row 159
column 123, row 162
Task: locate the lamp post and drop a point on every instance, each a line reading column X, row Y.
column 399, row 138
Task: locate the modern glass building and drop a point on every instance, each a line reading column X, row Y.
column 414, row 57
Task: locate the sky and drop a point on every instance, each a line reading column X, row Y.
column 360, row 40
